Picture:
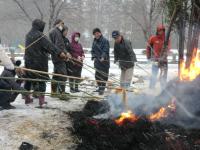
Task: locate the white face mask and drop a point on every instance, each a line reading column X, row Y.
column 60, row 28
column 76, row 39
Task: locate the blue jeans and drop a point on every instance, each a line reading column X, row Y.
column 163, row 74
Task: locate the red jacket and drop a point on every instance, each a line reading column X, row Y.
column 155, row 45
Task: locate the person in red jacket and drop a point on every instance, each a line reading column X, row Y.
column 77, row 53
column 155, row 54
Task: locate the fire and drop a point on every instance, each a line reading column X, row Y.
column 126, row 116
column 162, row 113
column 190, row 73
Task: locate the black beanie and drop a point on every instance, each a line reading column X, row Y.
column 96, row 30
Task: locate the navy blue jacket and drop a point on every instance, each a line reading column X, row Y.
column 101, row 49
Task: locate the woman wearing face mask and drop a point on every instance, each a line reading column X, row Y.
column 76, row 67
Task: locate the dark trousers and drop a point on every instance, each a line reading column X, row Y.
column 102, row 75
column 36, row 86
column 59, row 68
column 75, row 72
column 7, row 97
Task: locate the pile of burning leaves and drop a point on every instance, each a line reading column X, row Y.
column 171, row 124
column 143, row 134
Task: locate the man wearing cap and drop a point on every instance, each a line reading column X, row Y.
column 100, row 55
column 124, row 54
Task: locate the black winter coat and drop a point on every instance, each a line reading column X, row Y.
column 38, row 48
column 101, row 49
column 7, row 84
column 56, row 38
column 67, row 44
column 123, row 52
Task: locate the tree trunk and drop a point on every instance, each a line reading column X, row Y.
column 181, row 32
column 194, row 31
column 166, row 42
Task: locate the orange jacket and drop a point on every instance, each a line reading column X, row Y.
column 155, row 45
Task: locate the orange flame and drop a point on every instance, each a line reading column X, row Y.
column 190, row 73
column 126, row 116
column 162, row 113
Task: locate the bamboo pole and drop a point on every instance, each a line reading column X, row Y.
column 46, row 93
column 59, row 75
column 111, row 87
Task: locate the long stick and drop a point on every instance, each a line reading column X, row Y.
column 45, row 93
column 59, row 75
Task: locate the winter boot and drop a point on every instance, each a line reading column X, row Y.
column 54, row 90
column 28, row 99
column 42, row 100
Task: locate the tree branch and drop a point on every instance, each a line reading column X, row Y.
column 39, row 10
column 23, row 10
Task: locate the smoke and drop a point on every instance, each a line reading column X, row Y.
column 185, row 94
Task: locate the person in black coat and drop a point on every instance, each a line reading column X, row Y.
column 36, row 57
column 56, row 38
column 100, row 55
column 68, row 48
column 9, row 84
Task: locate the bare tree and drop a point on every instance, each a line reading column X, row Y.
column 53, row 12
column 150, row 13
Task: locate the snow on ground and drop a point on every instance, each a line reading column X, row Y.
column 48, row 128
